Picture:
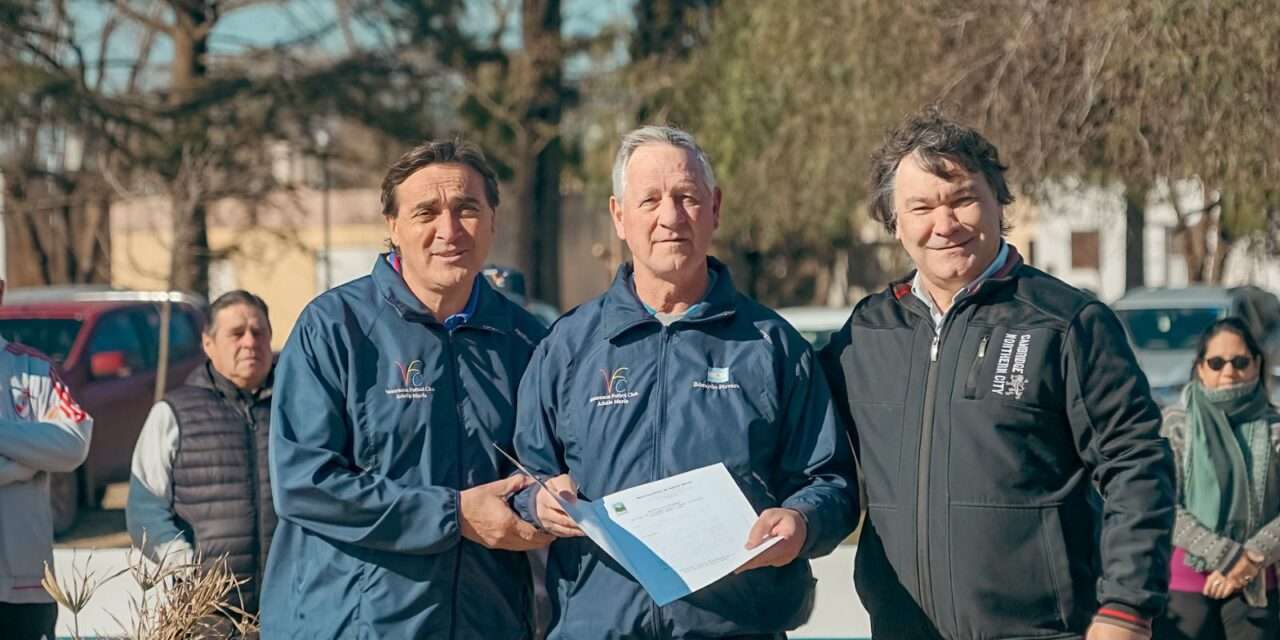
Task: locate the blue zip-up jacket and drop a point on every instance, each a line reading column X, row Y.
column 381, row 416
column 616, row 399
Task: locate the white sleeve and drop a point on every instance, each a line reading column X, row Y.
column 57, row 435
column 12, row 471
column 149, row 516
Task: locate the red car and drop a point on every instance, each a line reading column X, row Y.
column 106, row 343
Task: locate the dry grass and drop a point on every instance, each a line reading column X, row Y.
column 178, row 601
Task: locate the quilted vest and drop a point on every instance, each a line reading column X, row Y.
column 221, row 487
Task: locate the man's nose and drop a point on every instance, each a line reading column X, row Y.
column 945, row 222
column 670, row 213
column 449, row 226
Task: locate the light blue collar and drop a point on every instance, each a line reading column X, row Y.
column 672, row 317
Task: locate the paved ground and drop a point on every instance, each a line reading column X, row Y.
column 98, row 545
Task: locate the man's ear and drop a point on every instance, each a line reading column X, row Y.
column 206, row 341
column 615, row 212
column 392, row 228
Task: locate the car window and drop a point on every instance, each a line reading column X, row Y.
column 52, row 337
column 1168, row 329
column 117, row 331
column 184, row 338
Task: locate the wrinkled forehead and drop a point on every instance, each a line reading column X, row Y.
column 240, row 315
column 434, row 181
column 658, row 163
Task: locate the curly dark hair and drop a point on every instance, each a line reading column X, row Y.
column 939, row 143
column 455, row 151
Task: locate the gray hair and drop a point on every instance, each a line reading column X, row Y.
column 657, row 134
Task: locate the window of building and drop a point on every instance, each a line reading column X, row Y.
column 1084, row 250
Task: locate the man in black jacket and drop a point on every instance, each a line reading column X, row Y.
column 199, row 488
column 1016, row 480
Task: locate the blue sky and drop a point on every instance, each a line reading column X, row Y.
column 278, row 22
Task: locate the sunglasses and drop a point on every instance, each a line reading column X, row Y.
column 1239, row 362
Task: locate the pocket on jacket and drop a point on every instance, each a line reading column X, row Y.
column 971, row 386
column 1008, row 570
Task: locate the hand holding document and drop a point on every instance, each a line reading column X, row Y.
column 675, row 535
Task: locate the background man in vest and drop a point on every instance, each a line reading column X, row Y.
column 42, row 430
column 200, row 487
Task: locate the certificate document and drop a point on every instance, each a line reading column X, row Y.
column 675, row 535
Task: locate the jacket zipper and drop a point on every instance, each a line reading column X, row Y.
column 922, row 479
column 457, row 406
column 657, row 441
column 971, row 384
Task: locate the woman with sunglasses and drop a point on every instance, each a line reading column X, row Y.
column 1227, row 537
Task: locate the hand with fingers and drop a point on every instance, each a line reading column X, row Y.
column 485, row 517
column 553, row 517
column 787, row 524
column 1245, row 569
column 1220, row 587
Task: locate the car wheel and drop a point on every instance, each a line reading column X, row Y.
column 64, row 496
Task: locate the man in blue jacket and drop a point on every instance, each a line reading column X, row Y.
column 390, row 395
column 671, row 370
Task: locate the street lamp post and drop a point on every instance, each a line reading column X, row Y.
column 322, row 144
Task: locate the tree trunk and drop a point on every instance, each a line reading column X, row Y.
column 189, row 262
column 545, row 51
column 189, row 257
column 1135, row 219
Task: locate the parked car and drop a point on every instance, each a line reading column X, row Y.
column 1164, row 324
column 816, row 324
column 106, row 344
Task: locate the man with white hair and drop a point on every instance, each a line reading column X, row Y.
column 673, row 369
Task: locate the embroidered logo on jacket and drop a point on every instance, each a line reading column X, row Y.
column 617, row 390
column 412, row 383
column 1010, row 379
column 717, row 380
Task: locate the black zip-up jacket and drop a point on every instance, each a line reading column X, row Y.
column 986, row 448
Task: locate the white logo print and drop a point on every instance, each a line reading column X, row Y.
column 1010, row 379
column 717, row 380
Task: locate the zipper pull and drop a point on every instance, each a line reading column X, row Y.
column 982, row 347
column 933, row 351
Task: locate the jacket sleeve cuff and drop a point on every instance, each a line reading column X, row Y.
column 1122, row 615
column 524, row 503
column 1230, row 558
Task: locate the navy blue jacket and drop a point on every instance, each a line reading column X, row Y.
column 616, row 399
column 381, row 416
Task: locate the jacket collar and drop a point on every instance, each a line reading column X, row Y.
column 491, row 312
column 206, row 377
column 623, row 309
